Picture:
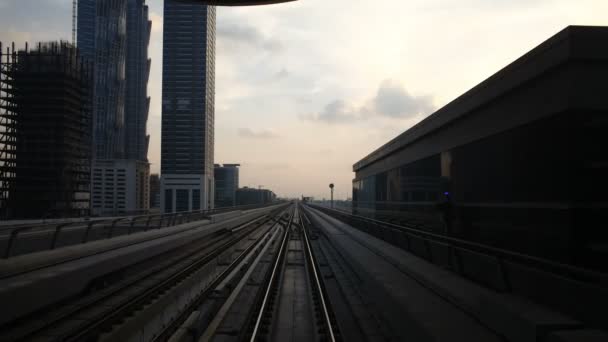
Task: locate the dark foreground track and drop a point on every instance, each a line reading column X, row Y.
column 110, row 302
column 300, row 273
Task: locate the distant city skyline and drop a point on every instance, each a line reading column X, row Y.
column 304, row 89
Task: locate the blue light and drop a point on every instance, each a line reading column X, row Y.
column 446, row 193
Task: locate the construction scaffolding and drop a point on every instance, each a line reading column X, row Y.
column 45, row 132
column 8, row 143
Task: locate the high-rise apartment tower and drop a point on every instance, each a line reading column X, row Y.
column 188, row 107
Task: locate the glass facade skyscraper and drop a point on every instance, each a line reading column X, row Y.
column 137, row 73
column 102, row 39
column 188, row 107
column 114, row 36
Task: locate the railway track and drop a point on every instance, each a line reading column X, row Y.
column 359, row 318
column 285, row 299
column 145, row 290
column 293, row 274
column 282, row 299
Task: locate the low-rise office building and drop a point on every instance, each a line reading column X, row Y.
column 226, row 184
column 120, row 187
column 249, row 196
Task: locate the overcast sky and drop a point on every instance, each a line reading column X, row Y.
column 306, row 89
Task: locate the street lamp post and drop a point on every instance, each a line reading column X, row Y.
column 331, row 186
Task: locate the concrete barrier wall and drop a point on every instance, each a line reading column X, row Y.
column 75, row 267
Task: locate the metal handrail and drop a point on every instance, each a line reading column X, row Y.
column 56, row 234
column 114, row 222
column 87, row 225
column 85, row 238
column 544, row 264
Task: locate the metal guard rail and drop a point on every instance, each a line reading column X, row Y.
column 572, row 272
column 161, row 220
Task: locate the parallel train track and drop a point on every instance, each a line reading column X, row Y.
column 89, row 317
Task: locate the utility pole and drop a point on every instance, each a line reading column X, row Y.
column 331, row 186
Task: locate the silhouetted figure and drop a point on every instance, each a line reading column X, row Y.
column 445, row 208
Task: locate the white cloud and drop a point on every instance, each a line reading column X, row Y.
column 391, row 101
column 283, row 73
column 335, row 112
column 257, row 134
column 277, row 63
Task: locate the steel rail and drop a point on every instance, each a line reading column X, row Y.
column 96, row 300
column 315, row 272
column 212, row 327
column 166, row 284
column 166, row 334
column 278, row 260
column 230, row 269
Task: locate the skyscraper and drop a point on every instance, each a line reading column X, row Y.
column 137, row 73
column 188, row 107
column 102, row 38
column 114, row 35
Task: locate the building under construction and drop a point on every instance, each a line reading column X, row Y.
column 45, row 132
